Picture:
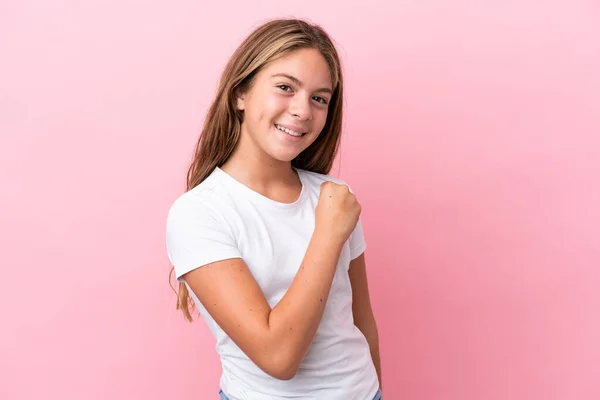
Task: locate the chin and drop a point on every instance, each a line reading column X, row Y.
column 282, row 149
column 284, row 157
column 284, row 153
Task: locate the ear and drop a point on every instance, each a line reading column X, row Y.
column 240, row 100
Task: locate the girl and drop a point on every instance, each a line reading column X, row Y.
column 266, row 245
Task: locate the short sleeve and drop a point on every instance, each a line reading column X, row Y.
column 357, row 241
column 195, row 237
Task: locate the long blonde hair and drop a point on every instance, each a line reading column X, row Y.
column 222, row 126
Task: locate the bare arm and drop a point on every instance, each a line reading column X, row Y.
column 362, row 311
column 274, row 339
column 277, row 339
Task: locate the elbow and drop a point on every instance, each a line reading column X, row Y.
column 283, row 375
column 281, row 366
column 277, row 356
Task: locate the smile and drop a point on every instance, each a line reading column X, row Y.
column 289, row 131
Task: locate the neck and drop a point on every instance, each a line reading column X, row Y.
column 252, row 166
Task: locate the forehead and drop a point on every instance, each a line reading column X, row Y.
column 308, row 65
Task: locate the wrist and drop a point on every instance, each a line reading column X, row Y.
column 328, row 237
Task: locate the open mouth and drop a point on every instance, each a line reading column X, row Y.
column 289, row 131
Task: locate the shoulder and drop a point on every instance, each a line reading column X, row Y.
column 317, row 178
column 205, row 201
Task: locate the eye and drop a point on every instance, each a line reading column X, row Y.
column 320, row 99
column 286, row 88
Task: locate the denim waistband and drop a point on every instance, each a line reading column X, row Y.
column 378, row 395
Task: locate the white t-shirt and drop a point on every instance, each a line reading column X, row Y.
column 221, row 219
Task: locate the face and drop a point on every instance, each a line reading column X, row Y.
column 286, row 107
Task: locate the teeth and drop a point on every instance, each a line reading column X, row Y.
column 288, row 131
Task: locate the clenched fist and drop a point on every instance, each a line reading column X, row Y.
column 337, row 210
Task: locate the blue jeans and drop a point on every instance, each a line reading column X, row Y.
column 378, row 396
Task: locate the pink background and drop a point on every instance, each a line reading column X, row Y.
column 471, row 138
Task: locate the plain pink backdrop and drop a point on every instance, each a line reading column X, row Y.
column 471, row 138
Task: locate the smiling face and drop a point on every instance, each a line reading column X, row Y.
column 286, row 108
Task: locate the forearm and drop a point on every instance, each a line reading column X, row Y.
column 370, row 332
column 376, row 361
column 293, row 322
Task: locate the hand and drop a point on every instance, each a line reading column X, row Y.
column 337, row 211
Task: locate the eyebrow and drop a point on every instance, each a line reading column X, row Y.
column 297, row 82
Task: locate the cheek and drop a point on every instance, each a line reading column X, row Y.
column 321, row 119
column 273, row 106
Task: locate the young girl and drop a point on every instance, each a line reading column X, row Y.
column 269, row 247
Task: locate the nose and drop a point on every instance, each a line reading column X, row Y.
column 300, row 107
